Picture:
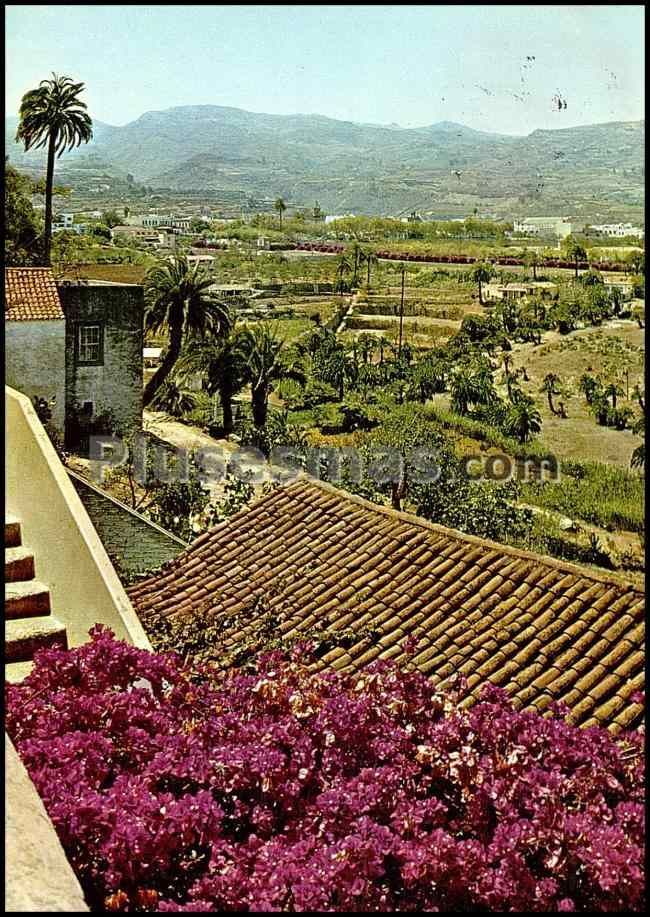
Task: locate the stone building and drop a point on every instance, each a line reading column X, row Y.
column 35, row 338
column 77, row 345
column 103, row 356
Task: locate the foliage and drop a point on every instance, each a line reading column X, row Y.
column 277, row 789
column 53, row 116
column 178, row 300
column 605, row 495
column 23, row 227
column 237, row 493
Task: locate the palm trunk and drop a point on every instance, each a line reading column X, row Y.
column 259, row 404
column 534, row 271
column 550, row 402
column 480, row 293
column 341, row 388
column 49, row 187
column 165, row 368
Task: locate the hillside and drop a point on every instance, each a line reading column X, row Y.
column 442, row 168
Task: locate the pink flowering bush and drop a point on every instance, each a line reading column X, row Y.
column 280, row 789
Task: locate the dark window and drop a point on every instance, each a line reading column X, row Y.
column 90, row 344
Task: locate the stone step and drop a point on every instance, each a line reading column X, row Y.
column 24, row 637
column 16, row 672
column 12, row 532
column 27, row 599
column 19, row 564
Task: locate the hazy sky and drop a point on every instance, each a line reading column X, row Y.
column 496, row 68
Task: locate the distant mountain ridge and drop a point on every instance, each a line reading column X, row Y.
column 363, row 167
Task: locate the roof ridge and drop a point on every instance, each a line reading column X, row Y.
column 411, row 519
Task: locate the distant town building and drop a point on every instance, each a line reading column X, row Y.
column 341, row 216
column 556, row 227
column 519, row 291
column 618, row 230
column 138, row 234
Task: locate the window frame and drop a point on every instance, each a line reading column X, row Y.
column 79, row 326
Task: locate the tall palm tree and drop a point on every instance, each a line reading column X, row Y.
column 280, row 206
column 481, row 274
column 177, row 301
column 343, row 268
column 371, row 259
column 221, row 360
column 574, row 252
column 52, row 115
column 549, row 385
column 356, row 255
column 268, row 362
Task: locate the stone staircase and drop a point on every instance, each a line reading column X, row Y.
column 29, row 623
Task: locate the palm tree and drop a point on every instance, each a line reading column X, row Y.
column 470, row 385
column 280, row 206
column 53, row 115
column 551, row 381
column 366, row 344
column 589, row 386
column 371, row 259
column 613, row 391
column 267, row 362
column 574, row 252
column 522, row 419
column 174, row 400
column 177, row 301
column 383, row 343
column 482, row 273
column 343, row 268
column 531, row 259
column 221, row 360
column 356, row 253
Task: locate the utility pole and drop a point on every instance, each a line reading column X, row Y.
column 401, row 316
column 399, row 346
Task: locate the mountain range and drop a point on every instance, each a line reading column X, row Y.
column 364, row 167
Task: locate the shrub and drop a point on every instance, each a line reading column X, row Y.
column 277, row 789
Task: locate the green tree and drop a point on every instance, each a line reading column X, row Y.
column 280, row 207
column 221, row 360
column 370, row 259
column 112, row 218
column 174, row 400
column 343, row 269
column 177, row 301
column 268, row 362
column 522, row 419
column 482, row 273
column 574, row 251
column 23, row 226
column 550, row 387
column 53, row 115
column 471, row 384
column 531, row 259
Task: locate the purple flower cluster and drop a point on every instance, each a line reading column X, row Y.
column 281, row 789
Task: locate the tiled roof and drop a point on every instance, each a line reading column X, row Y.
column 320, row 559
column 31, row 295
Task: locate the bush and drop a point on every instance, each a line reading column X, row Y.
column 278, row 789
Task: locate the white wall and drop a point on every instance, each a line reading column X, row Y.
column 69, row 557
column 35, row 362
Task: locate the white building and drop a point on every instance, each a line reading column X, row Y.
column 557, row 227
column 619, row 230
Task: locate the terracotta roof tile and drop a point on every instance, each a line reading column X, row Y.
column 323, row 560
column 31, row 295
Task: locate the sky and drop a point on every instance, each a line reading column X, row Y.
column 506, row 69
